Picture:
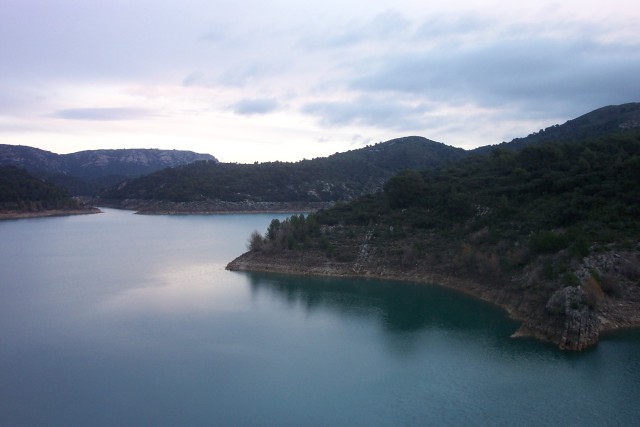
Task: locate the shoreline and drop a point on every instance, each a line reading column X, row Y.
column 463, row 286
column 12, row 215
column 573, row 330
column 211, row 207
column 225, row 212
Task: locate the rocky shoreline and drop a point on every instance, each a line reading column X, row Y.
column 205, row 207
column 8, row 214
column 565, row 318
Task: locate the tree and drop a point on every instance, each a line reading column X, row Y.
column 256, row 242
column 272, row 231
column 404, row 189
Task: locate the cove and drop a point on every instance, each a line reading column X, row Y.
column 127, row 320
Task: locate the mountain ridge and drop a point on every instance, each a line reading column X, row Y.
column 339, row 177
column 594, row 124
column 89, row 170
column 336, row 178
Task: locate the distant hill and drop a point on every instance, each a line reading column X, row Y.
column 340, row 177
column 207, row 186
column 22, row 192
column 598, row 123
column 85, row 172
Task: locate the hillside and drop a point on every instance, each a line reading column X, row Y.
column 85, row 172
column 310, row 184
column 598, row 123
column 22, row 194
column 210, row 186
column 550, row 232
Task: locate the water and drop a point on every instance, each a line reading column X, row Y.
column 126, row 320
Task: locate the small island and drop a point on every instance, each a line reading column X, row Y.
column 550, row 233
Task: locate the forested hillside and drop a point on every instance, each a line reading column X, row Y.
column 87, row 172
column 551, row 232
column 20, row 191
column 342, row 176
column 595, row 124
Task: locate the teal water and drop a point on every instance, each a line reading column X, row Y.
column 126, row 320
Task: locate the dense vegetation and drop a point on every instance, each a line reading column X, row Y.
column 20, row 191
column 491, row 213
column 592, row 184
column 595, row 124
column 342, row 176
column 346, row 176
column 88, row 172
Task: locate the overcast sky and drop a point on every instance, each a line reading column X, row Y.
column 284, row 80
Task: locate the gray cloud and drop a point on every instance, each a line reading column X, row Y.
column 198, row 78
column 533, row 73
column 452, row 25
column 389, row 24
column 103, row 114
column 387, row 67
column 255, row 106
column 369, row 111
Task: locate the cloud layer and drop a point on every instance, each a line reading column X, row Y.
column 271, row 79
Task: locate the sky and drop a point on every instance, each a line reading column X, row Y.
column 249, row 80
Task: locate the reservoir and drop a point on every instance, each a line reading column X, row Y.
column 119, row 319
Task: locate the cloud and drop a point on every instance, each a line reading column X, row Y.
column 369, row 111
column 531, row 72
column 330, row 68
column 456, row 26
column 389, row 24
column 249, row 107
column 103, row 114
column 198, row 79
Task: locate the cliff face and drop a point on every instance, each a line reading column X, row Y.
column 31, row 159
column 130, row 162
column 571, row 317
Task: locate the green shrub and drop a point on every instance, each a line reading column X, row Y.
column 548, row 242
column 570, row 279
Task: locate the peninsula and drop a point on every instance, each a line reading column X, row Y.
column 549, row 232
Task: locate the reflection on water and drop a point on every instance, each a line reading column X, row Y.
column 128, row 320
column 187, row 289
column 399, row 307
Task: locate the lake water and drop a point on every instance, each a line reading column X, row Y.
column 126, row 320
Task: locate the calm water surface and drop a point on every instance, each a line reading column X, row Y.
column 125, row 320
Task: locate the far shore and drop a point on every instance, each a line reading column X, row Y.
column 227, row 212
column 5, row 215
column 211, row 207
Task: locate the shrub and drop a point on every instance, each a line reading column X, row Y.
column 570, row 279
column 580, row 246
column 611, row 286
column 592, row 292
column 548, row 242
column 256, row 242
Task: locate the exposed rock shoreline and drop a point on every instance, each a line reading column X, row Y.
column 203, row 207
column 46, row 213
column 564, row 319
